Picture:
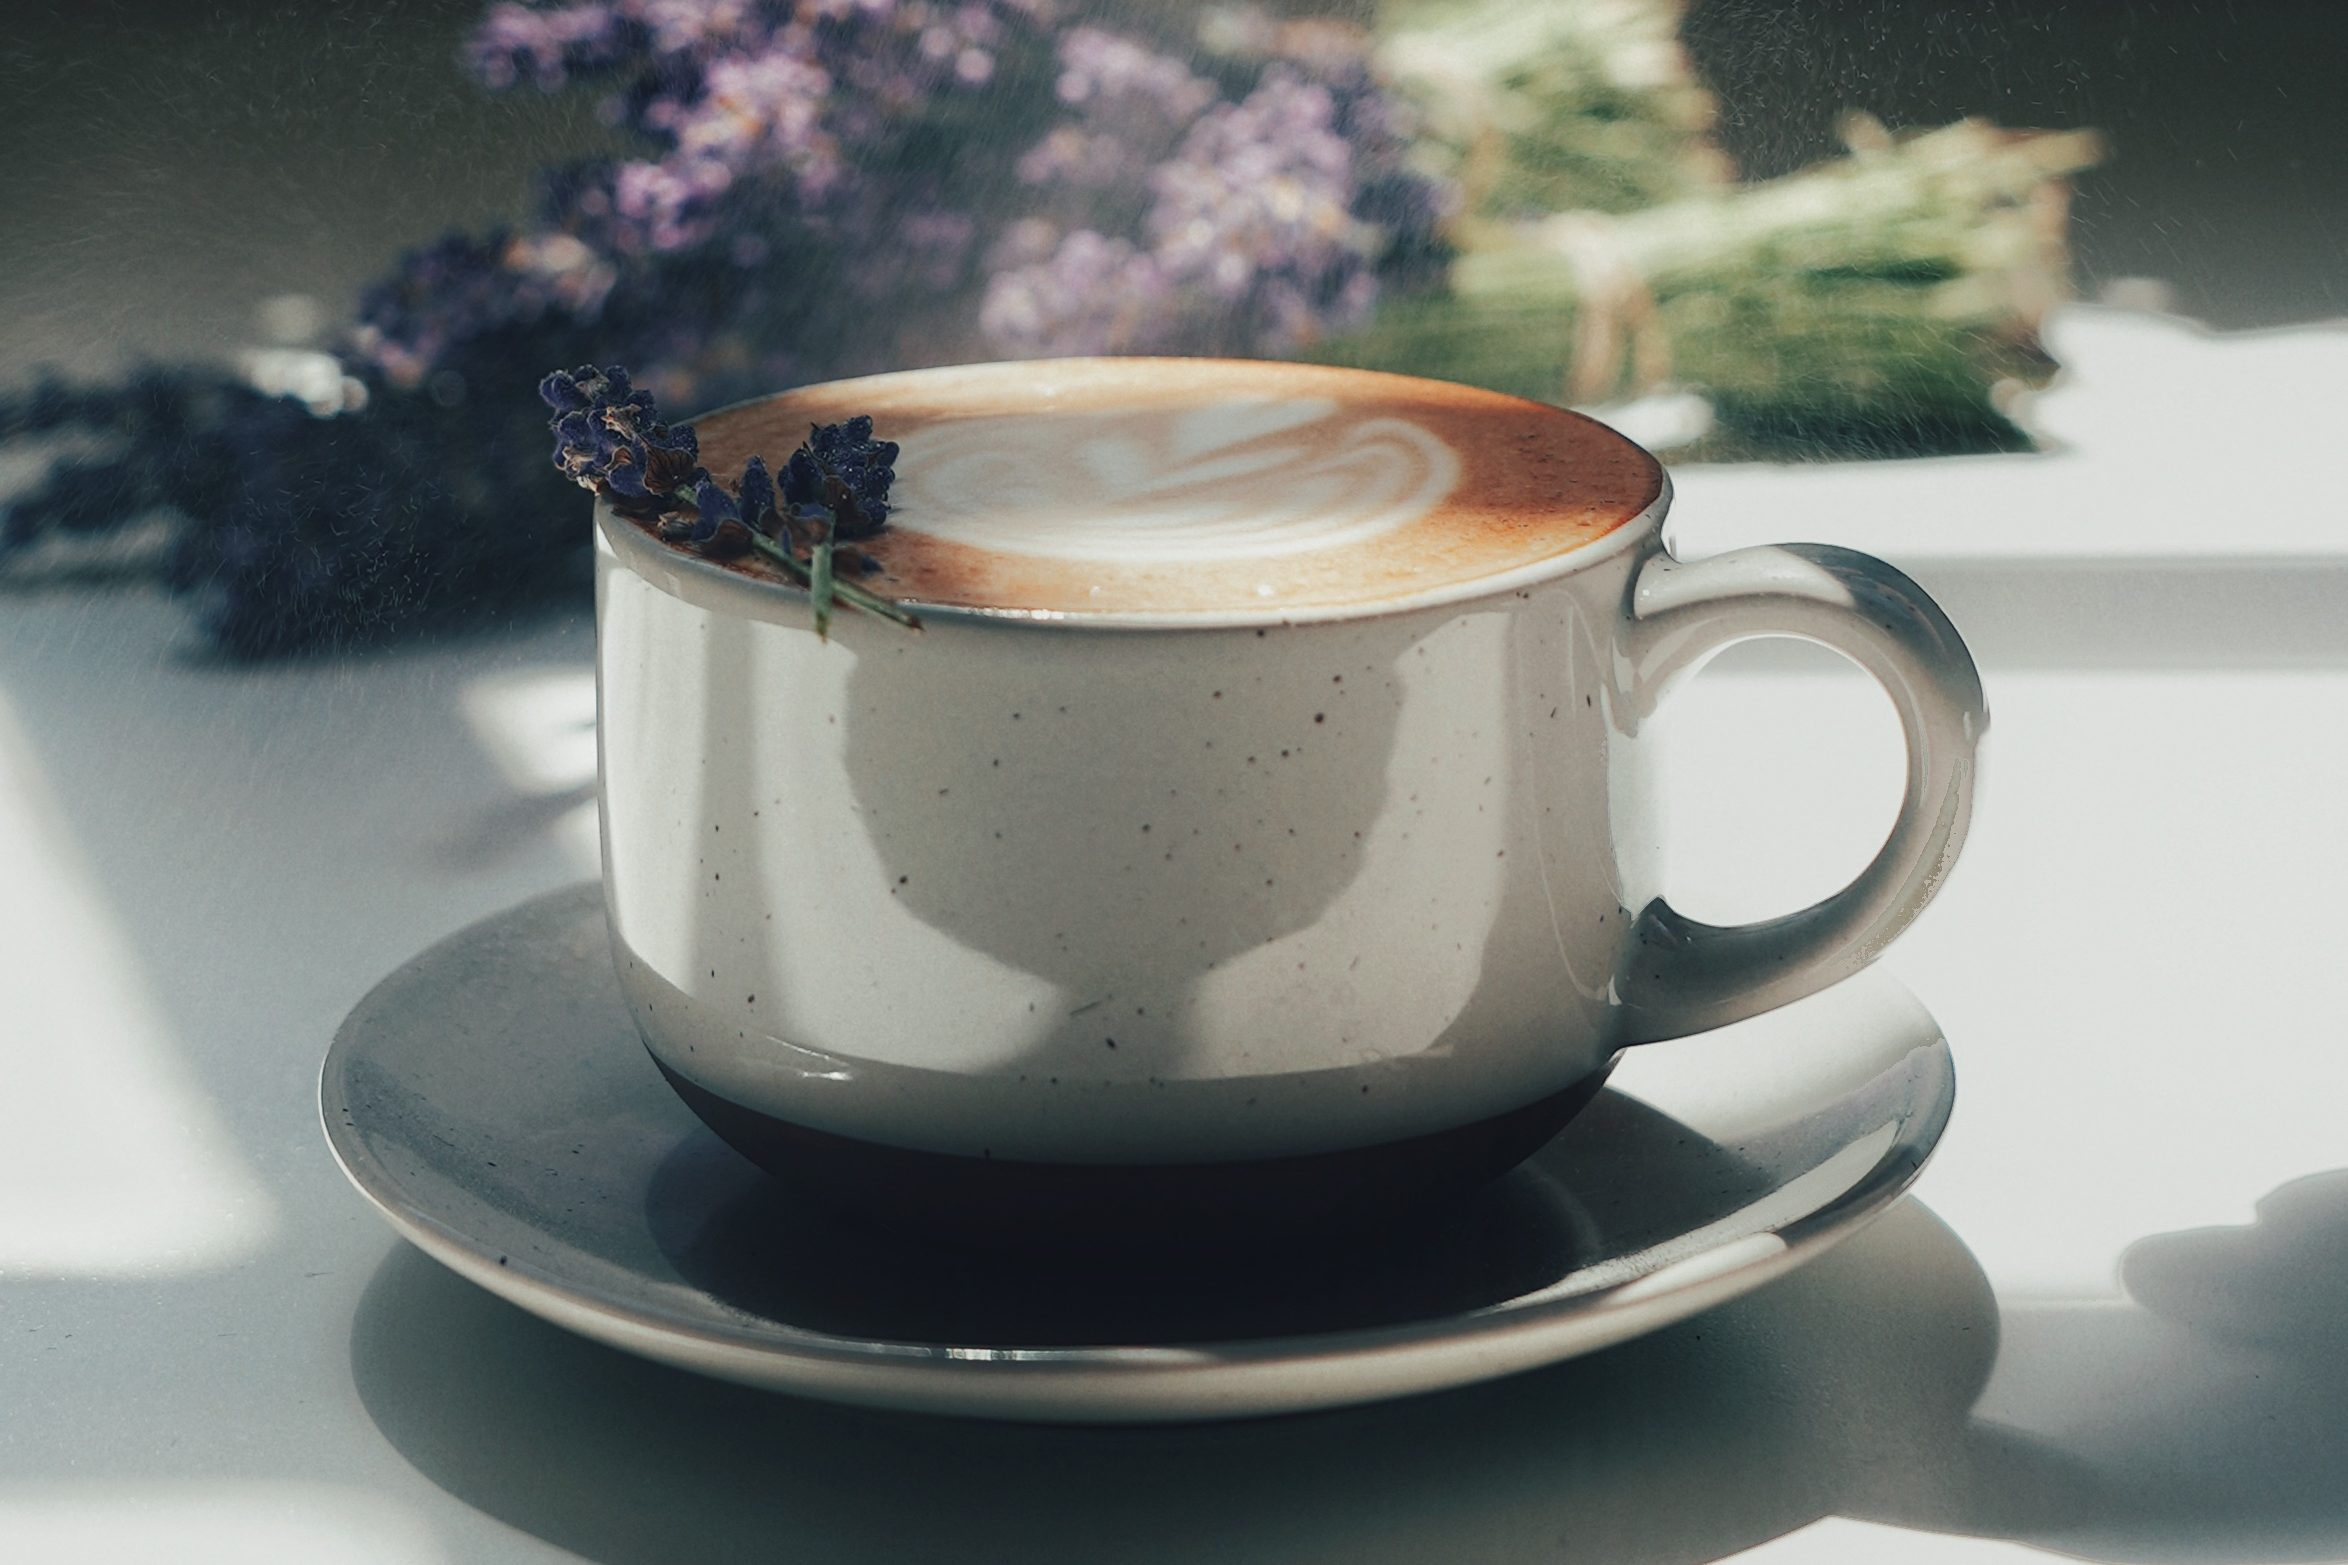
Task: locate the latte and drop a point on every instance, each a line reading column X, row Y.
column 1173, row 487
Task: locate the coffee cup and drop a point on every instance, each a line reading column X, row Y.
column 1258, row 829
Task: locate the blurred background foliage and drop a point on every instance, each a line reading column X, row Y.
column 1814, row 216
column 171, row 164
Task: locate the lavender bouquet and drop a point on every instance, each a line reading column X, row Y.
column 824, row 188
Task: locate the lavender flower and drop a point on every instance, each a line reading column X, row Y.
column 1407, row 207
column 1129, row 104
column 516, row 43
column 289, row 529
column 716, row 527
column 1268, row 222
column 608, row 437
column 1259, row 202
column 763, row 109
column 748, row 105
column 1101, row 67
column 1094, row 295
column 755, row 498
column 1170, row 219
column 689, row 26
column 820, row 188
column 458, row 289
column 841, row 479
column 835, row 488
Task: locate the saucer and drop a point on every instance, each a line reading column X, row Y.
column 493, row 1100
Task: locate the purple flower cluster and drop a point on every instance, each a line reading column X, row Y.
column 1089, row 295
column 516, row 43
column 750, row 105
column 460, row 289
column 608, row 437
column 979, row 179
column 1128, row 105
column 1268, row 221
column 834, row 490
column 1257, row 208
column 290, row 529
column 821, row 188
column 1143, row 211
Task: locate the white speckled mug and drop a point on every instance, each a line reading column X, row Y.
column 1187, row 886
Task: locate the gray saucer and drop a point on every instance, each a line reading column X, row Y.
column 492, row 1099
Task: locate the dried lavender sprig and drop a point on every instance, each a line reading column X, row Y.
column 609, row 439
column 287, row 530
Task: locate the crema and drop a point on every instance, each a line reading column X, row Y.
column 1173, row 487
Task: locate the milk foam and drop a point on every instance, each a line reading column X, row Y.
column 1198, row 488
column 1250, row 478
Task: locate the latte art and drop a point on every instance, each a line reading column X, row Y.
column 1204, row 491
column 1239, row 480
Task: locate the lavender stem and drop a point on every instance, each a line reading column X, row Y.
column 847, row 591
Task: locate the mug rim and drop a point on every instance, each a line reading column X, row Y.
column 709, row 584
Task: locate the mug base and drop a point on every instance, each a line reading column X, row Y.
column 999, row 1203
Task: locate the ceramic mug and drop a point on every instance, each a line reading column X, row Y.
column 1297, row 914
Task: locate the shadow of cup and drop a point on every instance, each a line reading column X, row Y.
column 1691, row 1443
column 761, row 1246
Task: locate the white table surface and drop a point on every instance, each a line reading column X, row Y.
column 2113, row 1322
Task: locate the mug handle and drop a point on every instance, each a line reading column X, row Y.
column 1681, row 976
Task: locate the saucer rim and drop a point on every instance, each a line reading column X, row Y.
column 1142, row 1382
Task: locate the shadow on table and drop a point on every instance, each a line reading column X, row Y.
column 2206, row 1416
column 1844, row 1387
column 2203, row 1418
